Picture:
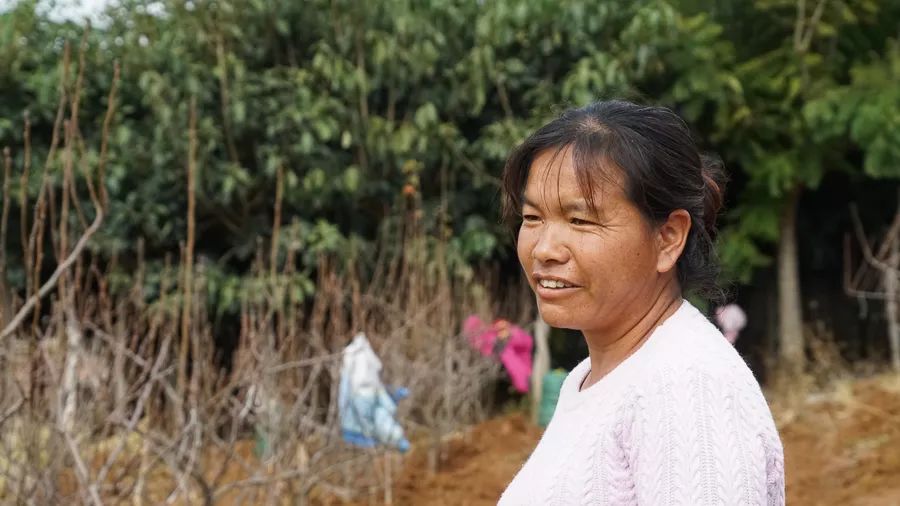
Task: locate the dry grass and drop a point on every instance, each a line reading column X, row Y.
column 113, row 397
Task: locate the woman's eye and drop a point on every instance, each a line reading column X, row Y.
column 530, row 218
column 579, row 221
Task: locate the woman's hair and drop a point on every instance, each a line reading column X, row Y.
column 662, row 167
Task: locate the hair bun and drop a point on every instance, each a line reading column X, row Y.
column 714, row 180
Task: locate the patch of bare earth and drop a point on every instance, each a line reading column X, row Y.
column 844, row 448
column 841, row 448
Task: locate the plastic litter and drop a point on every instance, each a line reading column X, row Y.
column 366, row 407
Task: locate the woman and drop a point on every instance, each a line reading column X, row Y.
column 618, row 213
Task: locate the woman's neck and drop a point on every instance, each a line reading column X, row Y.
column 610, row 348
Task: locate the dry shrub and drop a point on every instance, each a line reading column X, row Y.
column 114, row 397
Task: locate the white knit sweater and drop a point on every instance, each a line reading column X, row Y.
column 681, row 421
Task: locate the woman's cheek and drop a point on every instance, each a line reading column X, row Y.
column 524, row 245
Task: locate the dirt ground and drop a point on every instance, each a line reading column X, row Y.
column 840, row 449
column 478, row 466
column 845, row 448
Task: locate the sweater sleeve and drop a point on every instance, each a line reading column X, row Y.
column 701, row 438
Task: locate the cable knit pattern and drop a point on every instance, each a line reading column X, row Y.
column 680, row 422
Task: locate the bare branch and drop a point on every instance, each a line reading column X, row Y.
column 81, row 470
column 15, row 407
column 54, row 278
column 813, row 25
column 7, row 174
column 188, row 261
column 83, row 241
column 861, row 237
column 23, row 196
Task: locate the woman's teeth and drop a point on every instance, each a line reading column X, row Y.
column 550, row 283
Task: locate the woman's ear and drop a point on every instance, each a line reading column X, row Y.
column 671, row 237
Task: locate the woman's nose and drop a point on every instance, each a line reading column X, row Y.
column 550, row 247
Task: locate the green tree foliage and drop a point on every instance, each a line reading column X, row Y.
column 367, row 106
column 864, row 113
column 793, row 60
column 355, row 101
column 791, row 54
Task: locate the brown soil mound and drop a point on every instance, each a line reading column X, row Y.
column 479, row 465
column 840, row 449
column 846, row 449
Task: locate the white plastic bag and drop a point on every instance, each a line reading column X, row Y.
column 366, row 407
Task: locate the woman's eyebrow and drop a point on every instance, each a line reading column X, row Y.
column 575, row 206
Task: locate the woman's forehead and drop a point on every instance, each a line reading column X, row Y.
column 553, row 174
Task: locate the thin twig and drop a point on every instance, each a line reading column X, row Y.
column 104, row 138
column 81, row 469
column 276, row 222
column 138, row 412
column 188, row 262
column 5, row 295
column 813, row 25
column 73, row 256
column 15, row 407
column 23, row 200
column 54, row 278
column 861, row 237
column 7, row 175
column 35, row 240
column 224, row 97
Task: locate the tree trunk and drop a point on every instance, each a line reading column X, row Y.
column 790, row 315
column 541, row 364
column 890, row 290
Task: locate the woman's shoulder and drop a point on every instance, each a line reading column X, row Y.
column 694, row 374
column 690, row 348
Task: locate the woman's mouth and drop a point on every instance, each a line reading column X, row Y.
column 548, row 288
column 554, row 284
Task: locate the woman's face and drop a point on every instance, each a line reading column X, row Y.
column 591, row 270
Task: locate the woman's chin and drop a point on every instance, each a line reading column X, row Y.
column 558, row 317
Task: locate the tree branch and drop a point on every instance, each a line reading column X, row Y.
column 54, row 278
